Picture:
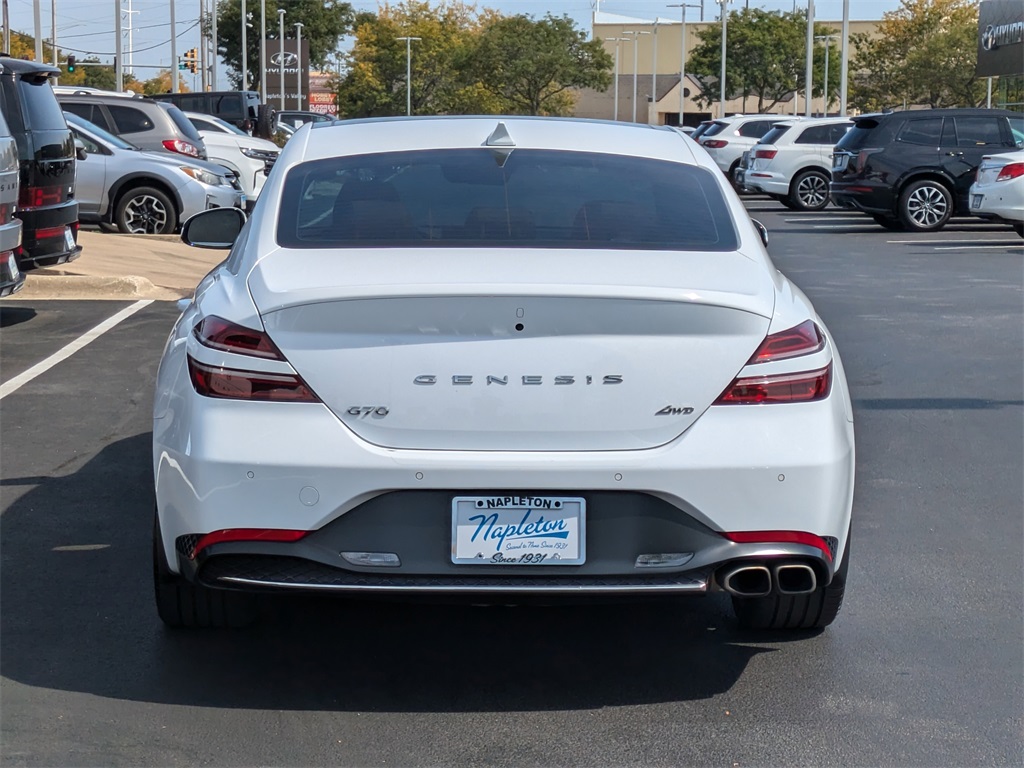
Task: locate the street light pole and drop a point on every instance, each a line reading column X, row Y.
column 616, row 40
column 721, row 77
column 245, row 50
column 654, row 74
column 298, row 45
column 174, row 49
column 636, row 39
column 408, row 72
column 809, row 70
column 844, row 68
column 280, row 64
column 827, row 39
column 682, row 58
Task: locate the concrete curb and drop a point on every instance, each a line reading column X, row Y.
column 43, row 285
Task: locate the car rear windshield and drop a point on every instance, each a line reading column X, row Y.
column 859, row 135
column 41, row 107
column 183, row 124
column 523, row 198
column 773, row 134
column 714, row 128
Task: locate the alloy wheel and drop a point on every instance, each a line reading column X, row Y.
column 145, row 215
column 927, row 206
column 812, row 191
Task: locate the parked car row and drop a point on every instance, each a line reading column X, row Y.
column 910, row 170
column 117, row 159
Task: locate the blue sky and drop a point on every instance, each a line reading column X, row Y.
column 87, row 25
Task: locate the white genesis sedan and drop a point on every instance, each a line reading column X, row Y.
column 503, row 359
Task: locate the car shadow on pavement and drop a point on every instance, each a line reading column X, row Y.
column 13, row 315
column 78, row 615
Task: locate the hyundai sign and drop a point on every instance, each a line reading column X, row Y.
column 1000, row 38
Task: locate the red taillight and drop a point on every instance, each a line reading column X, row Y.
column 804, row 387
column 245, row 534
column 766, row 154
column 233, row 384
column 803, row 339
column 47, row 232
column 780, row 537
column 1011, row 171
column 181, row 147
column 716, row 143
column 36, row 197
column 6, row 213
column 217, row 333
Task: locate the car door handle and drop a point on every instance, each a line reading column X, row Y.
column 955, row 154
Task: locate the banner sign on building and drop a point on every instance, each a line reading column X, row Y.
column 1000, row 38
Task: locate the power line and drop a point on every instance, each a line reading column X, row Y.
column 147, row 26
column 137, row 50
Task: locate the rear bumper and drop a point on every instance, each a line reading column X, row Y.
column 770, row 184
column 8, row 287
column 227, row 465
column 864, row 196
column 51, row 250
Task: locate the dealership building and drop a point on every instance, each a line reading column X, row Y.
column 1001, row 50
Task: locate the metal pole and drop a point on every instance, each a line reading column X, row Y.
column 988, row 102
column 174, row 49
column 636, row 48
column 280, row 33
column 824, row 109
column 245, row 49
column 844, row 69
column 37, row 18
column 263, row 51
column 616, row 40
column 654, row 76
column 118, row 69
column 298, row 46
column 7, row 28
column 721, row 77
column 682, row 57
column 408, row 72
column 53, row 29
column 213, row 44
column 809, row 70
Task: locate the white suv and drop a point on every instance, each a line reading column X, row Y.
column 728, row 137
column 251, row 158
column 793, row 162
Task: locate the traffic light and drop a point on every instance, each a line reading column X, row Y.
column 192, row 60
column 71, row 63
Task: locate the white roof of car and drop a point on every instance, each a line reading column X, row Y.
column 321, row 140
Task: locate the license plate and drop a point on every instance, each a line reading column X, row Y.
column 976, row 201
column 69, row 239
column 518, row 530
column 241, row 201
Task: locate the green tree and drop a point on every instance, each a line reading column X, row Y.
column 324, row 24
column 531, row 65
column 161, row 83
column 765, row 58
column 375, row 81
column 924, row 52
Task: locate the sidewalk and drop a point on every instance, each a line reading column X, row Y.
column 114, row 266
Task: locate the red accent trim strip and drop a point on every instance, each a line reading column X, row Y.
column 780, row 537
column 245, row 534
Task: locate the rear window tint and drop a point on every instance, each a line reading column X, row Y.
column 774, row 134
column 129, row 119
column 536, row 199
column 860, row 135
column 816, row 134
column 755, row 129
column 715, row 128
column 925, row 131
column 978, row 131
column 41, row 107
column 183, row 124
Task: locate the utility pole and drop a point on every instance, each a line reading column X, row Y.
column 118, row 63
column 53, row 30
column 721, row 77
column 263, row 51
column 7, row 28
column 174, row 49
column 202, row 45
column 654, row 74
column 37, row 18
column 213, row 45
column 245, row 49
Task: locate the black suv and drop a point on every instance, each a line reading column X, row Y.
column 46, row 202
column 912, row 170
column 240, row 108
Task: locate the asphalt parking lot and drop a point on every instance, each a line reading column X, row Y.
column 922, row 668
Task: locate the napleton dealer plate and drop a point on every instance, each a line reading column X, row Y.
column 518, row 530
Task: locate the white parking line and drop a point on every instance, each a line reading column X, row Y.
column 942, row 242
column 1004, row 246
column 69, row 349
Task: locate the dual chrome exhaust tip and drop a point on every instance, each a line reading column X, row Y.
column 758, row 580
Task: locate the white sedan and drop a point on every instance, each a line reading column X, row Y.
column 998, row 190
column 499, row 358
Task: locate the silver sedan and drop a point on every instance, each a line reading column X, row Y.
column 143, row 192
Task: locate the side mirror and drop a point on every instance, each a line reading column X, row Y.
column 80, row 152
column 762, row 230
column 215, row 228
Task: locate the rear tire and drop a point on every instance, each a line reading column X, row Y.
column 809, row 191
column 813, row 611
column 925, row 206
column 183, row 605
column 265, row 119
column 146, row 211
